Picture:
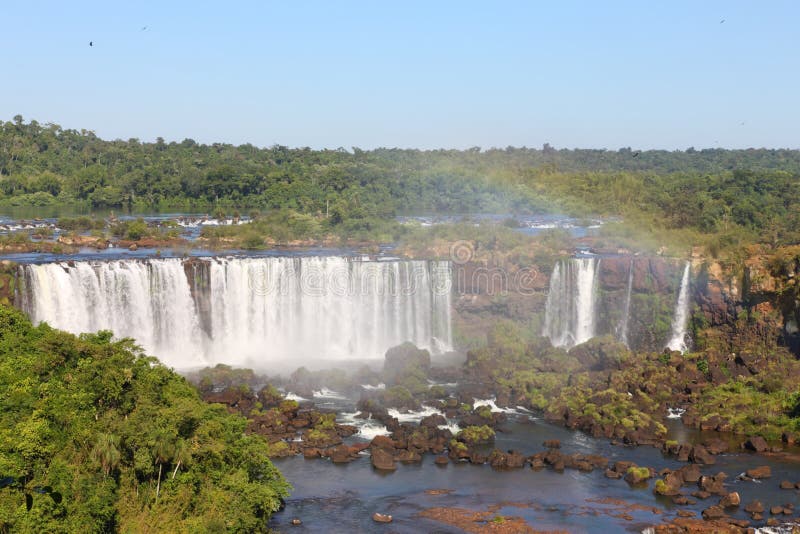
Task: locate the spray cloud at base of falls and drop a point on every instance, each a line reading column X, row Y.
column 257, row 312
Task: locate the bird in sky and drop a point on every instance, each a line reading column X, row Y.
column 144, row 28
column 90, row 43
column 636, row 154
column 722, row 21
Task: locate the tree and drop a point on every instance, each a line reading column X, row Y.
column 106, row 452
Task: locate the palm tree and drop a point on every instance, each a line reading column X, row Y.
column 106, row 452
column 182, row 455
column 163, row 451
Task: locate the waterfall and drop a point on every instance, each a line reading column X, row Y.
column 622, row 329
column 677, row 340
column 257, row 312
column 570, row 309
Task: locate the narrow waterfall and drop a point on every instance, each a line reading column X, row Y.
column 622, row 328
column 570, row 309
column 259, row 312
column 677, row 340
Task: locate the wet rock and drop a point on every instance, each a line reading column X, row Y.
column 700, row 455
column 382, row 442
column 682, row 500
column 754, row 507
column 312, row 452
column 383, row 460
column 789, row 438
column 756, row 443
column 441, row 460
column 515, row 459
column 786, row 485
column 600, row 462
column 701, row 494
column 731, row 500
column 552, row 444
column 683, row 452
column 536, row 463
column 553, row 457
column 408, row 457
column 716, row 446
column 776, row 510
column 622, row 466
column 610, row 473
column 296, row 522
column 713, row 512
column 637, row 475
column 685, row 513
column 476, row 458
column 381, row 518
column 713, row 485
column 690, row 473
column 433, row 421
column 763, row 471
column 341, row 454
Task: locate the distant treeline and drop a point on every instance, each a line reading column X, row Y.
column 707, row 191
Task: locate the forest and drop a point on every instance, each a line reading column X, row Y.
column 97, row 437
column 735, row 195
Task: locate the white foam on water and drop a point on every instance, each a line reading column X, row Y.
column 414, row 416
column 675, row 413
column 326, row 393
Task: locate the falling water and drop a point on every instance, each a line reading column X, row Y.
column 677, row 340
column 248, row 311
column 570, row 311
column 622, row 329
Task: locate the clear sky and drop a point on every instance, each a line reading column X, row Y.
column 425, row 74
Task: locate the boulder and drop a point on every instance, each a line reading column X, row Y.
column 381, row 518
column 700, row 455
column 754, row 507
column 441, row 460
column 552, row 444
column 763, row 471
column 341, row 454
column 690, row 473
column 756, row 443
column 637, row 475
column 716, row 446
column 382, row 442
column 383, row 460
column 731, row 500
column 408, row 457
column 785, row 484
column 713, row 512
column 713, row 485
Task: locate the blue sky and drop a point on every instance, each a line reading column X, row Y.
column 410, row 74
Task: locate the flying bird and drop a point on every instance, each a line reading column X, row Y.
column 144, row 28
column 636, row 154
column 90, row 43
column 722, row 21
